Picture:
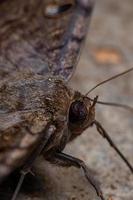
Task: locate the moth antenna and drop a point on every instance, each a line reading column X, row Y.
column 102, row 132
column 94, row 101
column 124, row 106
column 109, row 79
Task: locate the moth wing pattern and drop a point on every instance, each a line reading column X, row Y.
column 26, row 37
column 27, row 40
column 17, row 139
column 31, row 41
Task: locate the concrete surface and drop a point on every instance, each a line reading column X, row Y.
column 108, row 51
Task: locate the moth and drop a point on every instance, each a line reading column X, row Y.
column 39, row 112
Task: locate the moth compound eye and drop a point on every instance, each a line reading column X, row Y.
column 55, row 10
column 78, row 112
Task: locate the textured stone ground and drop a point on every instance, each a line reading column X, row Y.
column 108, row 50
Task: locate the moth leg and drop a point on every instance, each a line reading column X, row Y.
column 101, row 130
column 27, row 166
column 63, row 159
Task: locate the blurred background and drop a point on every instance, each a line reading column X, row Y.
column 108, row 51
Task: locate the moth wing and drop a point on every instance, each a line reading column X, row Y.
column 33, row 41
column 16, row 140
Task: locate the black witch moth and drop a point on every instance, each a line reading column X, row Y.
column 39, row 113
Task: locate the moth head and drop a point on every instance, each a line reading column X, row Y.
column 81, row 115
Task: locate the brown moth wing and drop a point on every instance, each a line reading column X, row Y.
column 16, row 141
column 27, row 107
column 31, row 41
column 21, row 121
column 25, row 37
